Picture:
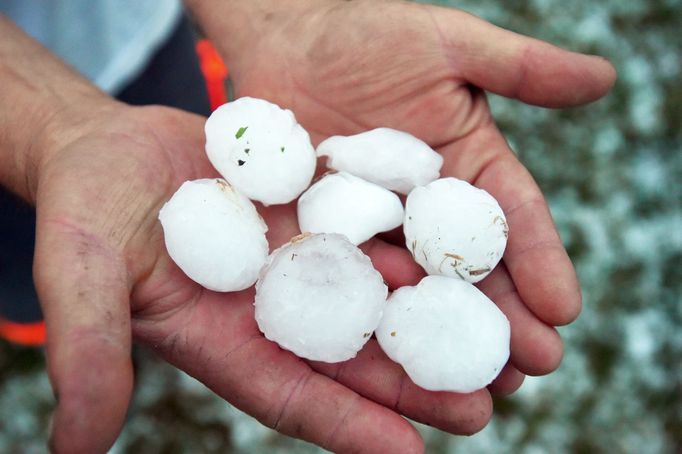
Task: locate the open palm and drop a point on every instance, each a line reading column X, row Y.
column 105, row 279
column 345, row 67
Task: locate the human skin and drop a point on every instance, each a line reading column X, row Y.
column 98, row 172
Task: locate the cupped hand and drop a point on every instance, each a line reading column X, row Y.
column 346, row 67
column 105, row 279
column 102, row 272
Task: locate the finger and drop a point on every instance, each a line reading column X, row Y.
column 509, row 380
column 535, row 257
column 84, row 295
column 535, row 348
column 373, row 375
column 222, row 347
column 395, row 263
column 517, row 66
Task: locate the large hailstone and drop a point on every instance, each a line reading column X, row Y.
column 447, row 335
column 215, row 235
column 393, row 159
column 320, row 297
column 455, row 229
column 342, row 203
column 261, row 150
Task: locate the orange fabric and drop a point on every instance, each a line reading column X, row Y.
column 215, row 73
column 28, row 334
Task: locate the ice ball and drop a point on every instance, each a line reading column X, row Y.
column 447, row 335
column 215, row 235
column 455, row 229
column 342, row 203
column 260, row 149
column 319, row 297
column 390, row 158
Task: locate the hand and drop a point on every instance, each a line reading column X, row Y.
column 102, row 273
column 345, row 67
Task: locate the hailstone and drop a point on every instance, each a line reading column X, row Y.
column 447, row 335
column 261, row 150
column 455, row 229
column 342, row 203
column 393, row 159
column 319, row 297
column 215, row 235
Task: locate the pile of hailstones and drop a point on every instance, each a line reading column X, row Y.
column 319, row 296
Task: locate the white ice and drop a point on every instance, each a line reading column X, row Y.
column 342, row 203
column 455, row 229
column 447, row 335
column 215, row 235
column 320, row 297
column 390, row 158
column 261, row 150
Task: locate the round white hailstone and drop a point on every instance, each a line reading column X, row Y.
column 393, row 159
column 447, row 335
column 320, row 297
column 455, row 229
column 261, row 150
column 215, row 235
column 342, row 203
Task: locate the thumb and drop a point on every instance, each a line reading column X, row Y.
column 520, row 67
column 83, row 291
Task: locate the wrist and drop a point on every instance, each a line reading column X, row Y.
column 38, row 92
column 65, row 124
column 40, row 130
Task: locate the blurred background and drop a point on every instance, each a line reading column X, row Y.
column 612, row 173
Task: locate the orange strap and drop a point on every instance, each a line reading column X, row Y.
column 215, row 73
column 28, row 334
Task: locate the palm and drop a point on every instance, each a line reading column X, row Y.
column 145, row 154
column 119, row 280
column 214, row 336
column 388, row 69
column 329, row 67
column 98, row 201
column 396, row 64
column 417, row 68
